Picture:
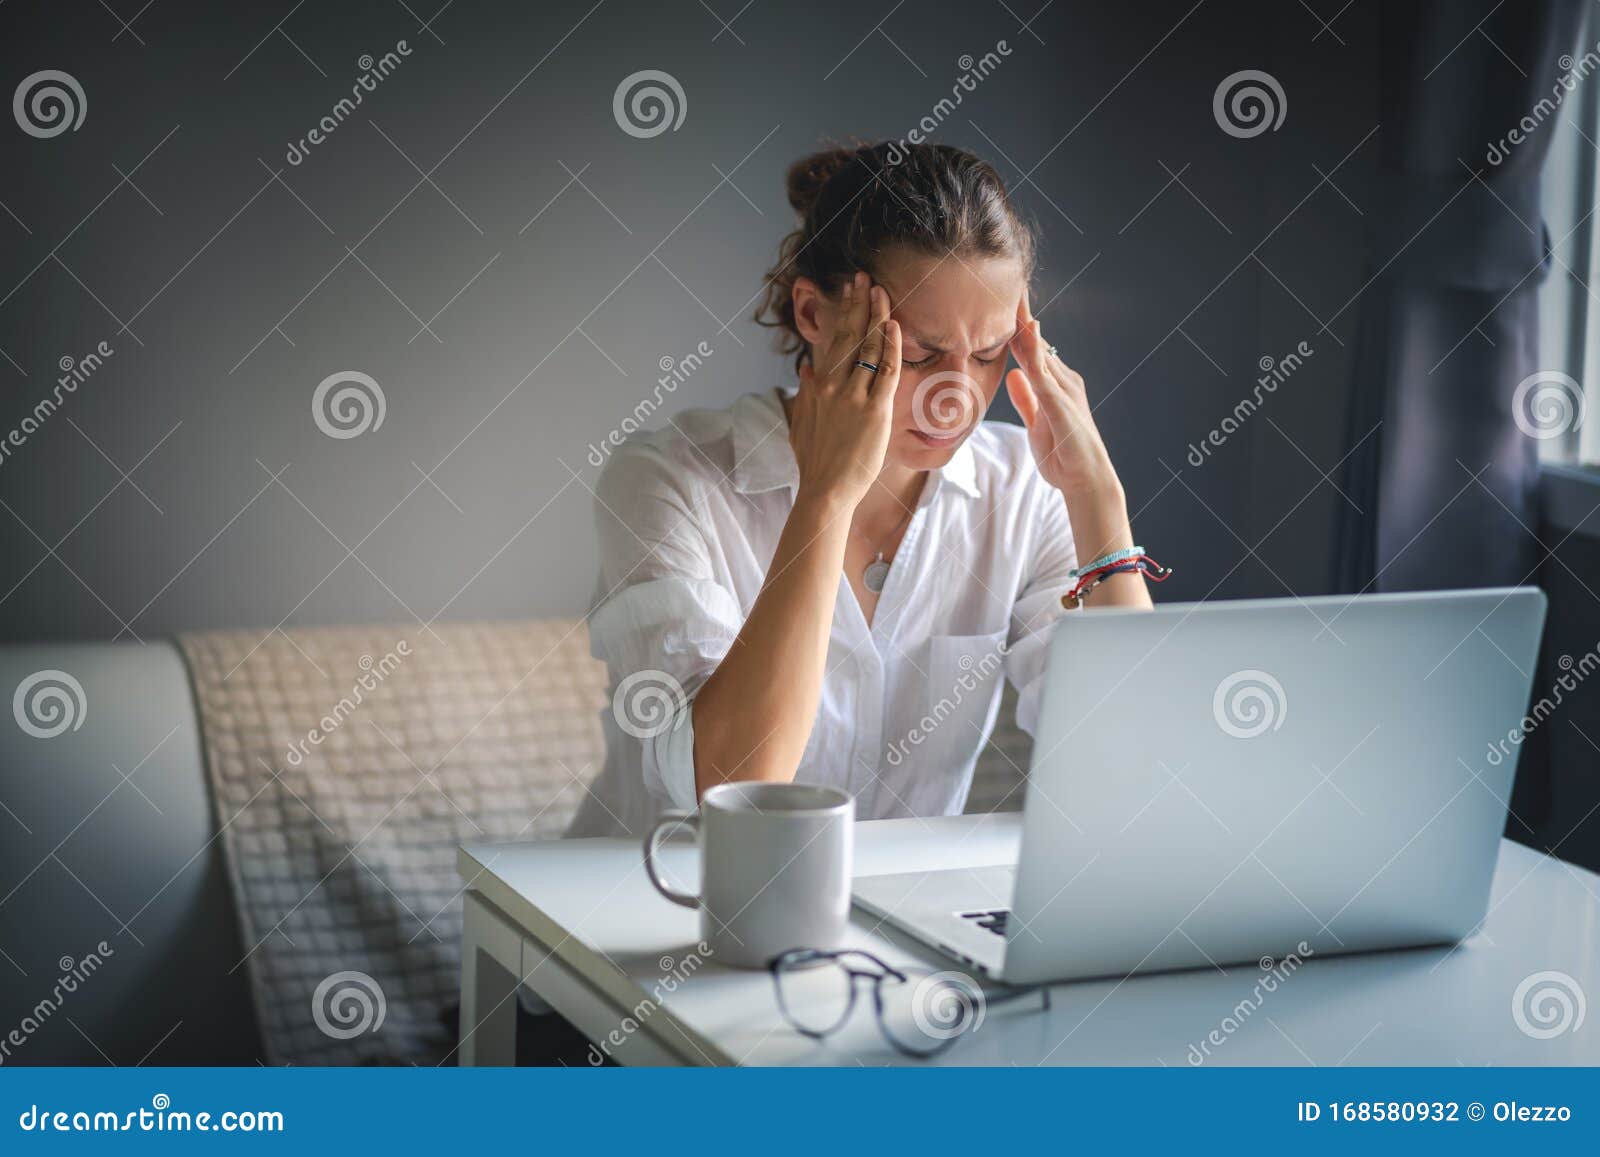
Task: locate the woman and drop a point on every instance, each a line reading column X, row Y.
column 735, row 650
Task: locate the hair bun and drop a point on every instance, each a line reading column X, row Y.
column 857, row 202
column 809, row 174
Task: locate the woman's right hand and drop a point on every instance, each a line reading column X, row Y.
column 839, row 426
column 842, row 417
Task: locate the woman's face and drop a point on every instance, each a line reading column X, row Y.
column 956, row 317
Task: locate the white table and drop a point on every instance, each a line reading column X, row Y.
column 579, row 924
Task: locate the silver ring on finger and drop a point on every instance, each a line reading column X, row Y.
column 868, row 366
column 1053, row 351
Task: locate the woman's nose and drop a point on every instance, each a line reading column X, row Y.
column 947, row 400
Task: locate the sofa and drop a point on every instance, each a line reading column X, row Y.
column 198, row 834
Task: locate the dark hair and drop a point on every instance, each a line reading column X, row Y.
column 855, row 203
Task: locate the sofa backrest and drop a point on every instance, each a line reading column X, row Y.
column 111, row 834
column 116, row 920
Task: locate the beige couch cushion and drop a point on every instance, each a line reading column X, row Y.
column 346, row 765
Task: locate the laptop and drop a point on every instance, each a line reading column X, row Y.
column 1214, row 783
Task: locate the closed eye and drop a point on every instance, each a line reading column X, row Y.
column 996, row 352
column 916, row 365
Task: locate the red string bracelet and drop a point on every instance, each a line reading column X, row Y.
column 1087, row 581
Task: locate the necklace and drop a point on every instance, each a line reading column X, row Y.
column 876, row 573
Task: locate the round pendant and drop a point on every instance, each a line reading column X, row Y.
column 876, row 574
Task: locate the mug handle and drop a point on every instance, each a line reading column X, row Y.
column 652, row 841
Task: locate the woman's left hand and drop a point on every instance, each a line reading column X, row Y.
column 1071, row 456
column 1050, row 397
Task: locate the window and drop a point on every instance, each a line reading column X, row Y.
column 1569, row 300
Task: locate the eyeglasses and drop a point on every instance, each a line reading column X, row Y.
column 920, row 1012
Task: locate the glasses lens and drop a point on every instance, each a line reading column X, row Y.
column 814, row 993
column 924, row 1013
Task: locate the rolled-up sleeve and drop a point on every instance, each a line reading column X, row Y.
column 661, row 622
column 1038, row 605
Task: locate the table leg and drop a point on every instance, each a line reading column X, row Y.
column 490, row 961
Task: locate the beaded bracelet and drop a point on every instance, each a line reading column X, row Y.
column 1101, row 569
column 1106, row 560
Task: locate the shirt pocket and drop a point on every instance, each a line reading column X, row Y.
column 965, row 673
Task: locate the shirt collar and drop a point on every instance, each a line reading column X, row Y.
column 962, row 470
column 764, row 460
column 762, row 457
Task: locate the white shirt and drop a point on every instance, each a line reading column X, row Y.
column 688, row 520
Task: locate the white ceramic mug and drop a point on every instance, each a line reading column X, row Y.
column 775, row 863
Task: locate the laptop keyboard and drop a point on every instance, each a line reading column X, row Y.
column 994, row 921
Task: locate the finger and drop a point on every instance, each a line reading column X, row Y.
column 1031, row 355
column 1070, row 381
column 838, row 349
column 860, row 312
column 853, row 303
column 852, row 328
column 1057, row 375
column 1024, row 316
column 1061, row 375
column 1062, row 401
column 871, row 350
column 887, row 383
column 1020, row 390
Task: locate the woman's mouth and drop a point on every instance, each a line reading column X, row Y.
column 945, row 408
column 938, row 441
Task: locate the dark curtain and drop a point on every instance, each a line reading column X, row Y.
column 1448, row 324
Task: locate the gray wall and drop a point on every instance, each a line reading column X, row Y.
column 559, row 259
